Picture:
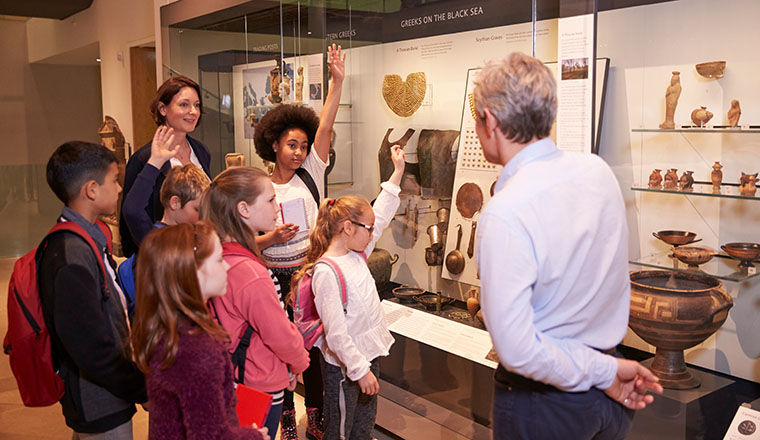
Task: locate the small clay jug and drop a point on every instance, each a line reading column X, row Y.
column 687, row 181
column 655, row 179
column 700, row 116
column 671, row 178
column 717, row 175
column 748, row 184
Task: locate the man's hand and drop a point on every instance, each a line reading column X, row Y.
column 162, row 148
column 631, row 385
column 369, row 384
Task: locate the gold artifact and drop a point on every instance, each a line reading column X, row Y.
column 404, row 97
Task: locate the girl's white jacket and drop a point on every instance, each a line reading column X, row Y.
column 353, row 339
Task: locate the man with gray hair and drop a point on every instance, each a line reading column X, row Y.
column 553, row 261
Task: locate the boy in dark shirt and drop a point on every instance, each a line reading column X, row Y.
column 88, row 326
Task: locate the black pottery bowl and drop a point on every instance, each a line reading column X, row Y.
column 407, row 293
column 430, row 301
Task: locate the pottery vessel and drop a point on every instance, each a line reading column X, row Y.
column 748, row 184
column 433, row 257
column 717, row 175
column 745, row 252
column 671, row 178
column 734, row 113
column 701, row 116
column 655, row 179
column 676, row 238
column 712, row 69
column 687, row 181
column 431, row 301
column 407, row 293
column 674, row 311
column 692, row 255
column 380, row 263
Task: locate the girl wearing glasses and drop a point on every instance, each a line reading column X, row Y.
column 346, row 231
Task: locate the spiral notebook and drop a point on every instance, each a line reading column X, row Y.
column 252, row 406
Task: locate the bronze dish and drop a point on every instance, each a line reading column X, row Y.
column 469, row 200
column 430, row 301
column 676, row 238
column 692, row 255
column 674, row 311
column 407, row 293
column 745, row 252
column 712, row 69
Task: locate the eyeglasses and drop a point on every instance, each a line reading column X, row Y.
column 368, row 228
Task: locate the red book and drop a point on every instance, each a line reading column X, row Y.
column 252, row 406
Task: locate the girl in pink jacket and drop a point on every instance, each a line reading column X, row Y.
column 241, row 203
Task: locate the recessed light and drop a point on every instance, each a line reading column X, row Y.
column 97, row 59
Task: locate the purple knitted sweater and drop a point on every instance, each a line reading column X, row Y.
column 195, row 397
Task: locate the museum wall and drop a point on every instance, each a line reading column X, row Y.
column 115, row 25
column 645, row 44
column 41, row 106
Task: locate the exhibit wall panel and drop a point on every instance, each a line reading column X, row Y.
column 646, row 44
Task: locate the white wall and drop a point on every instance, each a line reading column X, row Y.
column 115, row 25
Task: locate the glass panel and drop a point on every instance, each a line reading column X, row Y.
column 721, row 266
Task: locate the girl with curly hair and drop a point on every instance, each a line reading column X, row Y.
column 298, row 142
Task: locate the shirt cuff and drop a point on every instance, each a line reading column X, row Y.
column 360, row 372
column 605, row 369
column 391, row 188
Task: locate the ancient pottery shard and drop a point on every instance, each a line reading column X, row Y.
column 404, row 97
column 437, row 164
column 734, row 113
column 712, row 69
column 701, row 116
column 671, row 100
column 469, row 199
column 674, row 311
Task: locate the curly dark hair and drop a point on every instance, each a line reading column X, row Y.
column 281, row 118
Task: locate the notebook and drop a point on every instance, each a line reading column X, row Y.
column 252, row 406
column 294, row 211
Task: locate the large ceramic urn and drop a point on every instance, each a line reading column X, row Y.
column 380, row 262
column 674, row 311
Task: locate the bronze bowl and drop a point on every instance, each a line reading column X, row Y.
column 711, row 69
column 407, row 293
column 429, row 300
column 674, row 311
column 676, row 238
column 745, row 252
column 692, row 255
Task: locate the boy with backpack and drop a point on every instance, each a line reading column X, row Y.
column 180, row 196
column 85, row 314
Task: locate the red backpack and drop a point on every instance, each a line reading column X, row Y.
column 305, row 314
column 28, row 341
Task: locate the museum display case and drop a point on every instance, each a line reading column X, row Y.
column 673, row 90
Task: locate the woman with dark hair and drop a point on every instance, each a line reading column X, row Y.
column 298, row 142
column 178, row 107
column 176, row 341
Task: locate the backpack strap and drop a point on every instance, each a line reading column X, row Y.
column 309, row 182
column 237, row 357
column 78, row 230
column 107, row 232
column 339, row 275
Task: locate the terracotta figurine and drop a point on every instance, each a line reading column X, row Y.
column 299, row 86
column 687, row 181
column 285, row 92
column 733, row 113
column 701, row 116
column 671, row 100
column 671, row 178
column 655, row 179
column 274, row 86
column 748, row 184
column 717, row 175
